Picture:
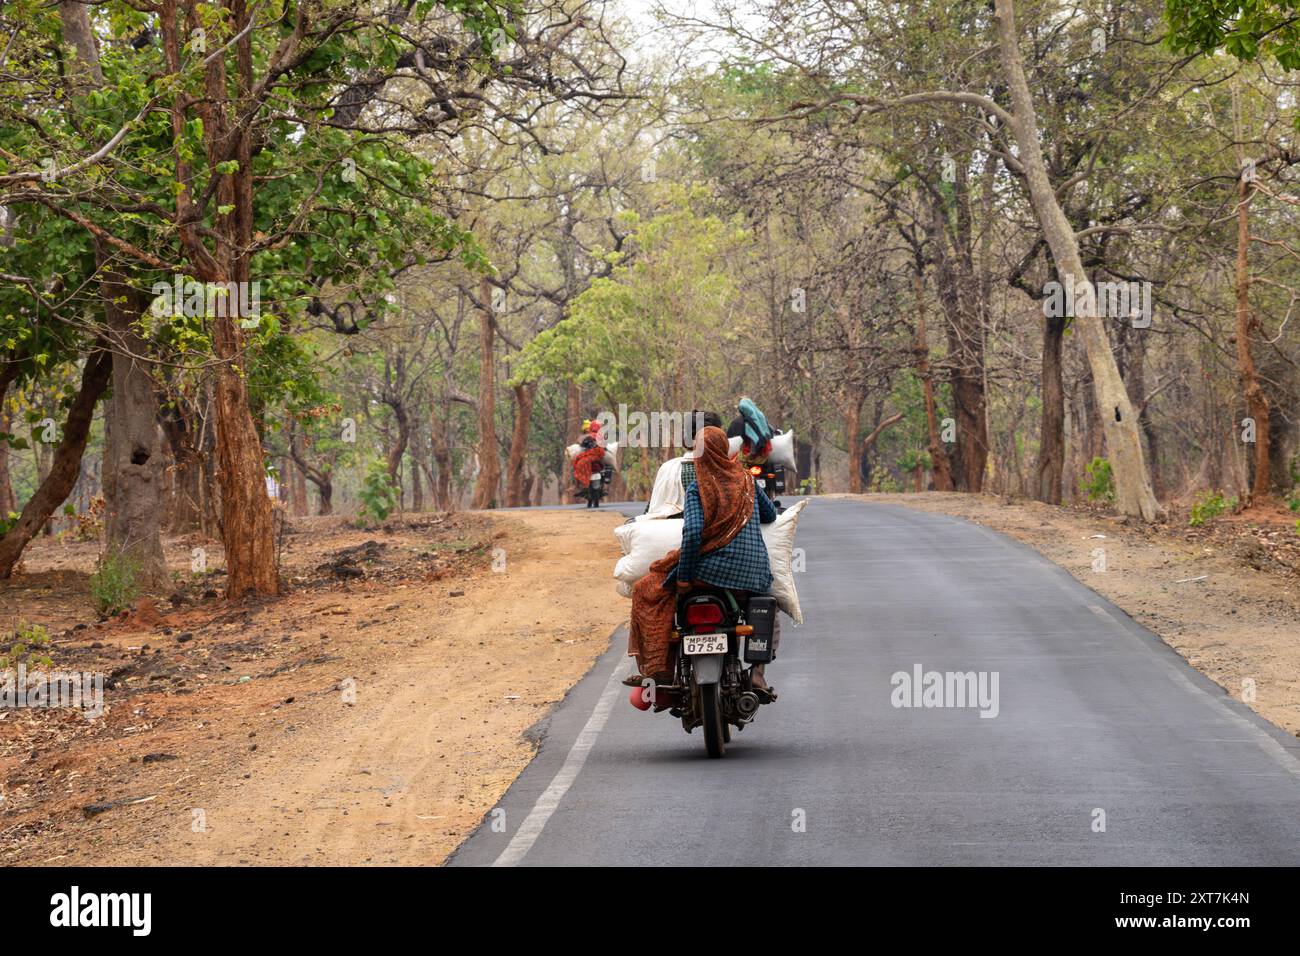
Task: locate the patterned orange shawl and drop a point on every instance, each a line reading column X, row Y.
column 589, row 460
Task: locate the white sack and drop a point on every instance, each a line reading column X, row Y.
column 644, row 542
column 611, row 453
column 782, row 454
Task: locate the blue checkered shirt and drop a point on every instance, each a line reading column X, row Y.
column 741, row 564
column 688, row 473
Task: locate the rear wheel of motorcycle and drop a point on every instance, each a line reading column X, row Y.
column 715, row 743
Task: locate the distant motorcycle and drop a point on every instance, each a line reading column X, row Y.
column 717, row 635
column 771, row 481
column 598, row 487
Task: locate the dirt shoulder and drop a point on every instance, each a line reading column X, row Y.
column 1225, row 596
column 372, row 715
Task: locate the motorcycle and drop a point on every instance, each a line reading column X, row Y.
column 771, row 481
column 717, row 635
column 598, row 487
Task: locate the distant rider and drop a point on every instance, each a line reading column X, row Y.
column 591, row 458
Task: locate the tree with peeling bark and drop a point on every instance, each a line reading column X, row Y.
column 1123, row 440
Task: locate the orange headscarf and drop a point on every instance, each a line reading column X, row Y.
column 726, row 490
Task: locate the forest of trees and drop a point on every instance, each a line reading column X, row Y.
column 1042, row 248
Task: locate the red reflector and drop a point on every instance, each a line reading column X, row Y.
column 704, row 613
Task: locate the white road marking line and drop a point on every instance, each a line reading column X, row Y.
column 531, row 828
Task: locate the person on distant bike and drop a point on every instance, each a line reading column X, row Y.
column 755, row 434
column 722, row 546
column 590, row 459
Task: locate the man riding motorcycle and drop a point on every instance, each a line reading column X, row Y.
column 722, row 547
column 589, row 462
column 752, row 428
column 668, row 496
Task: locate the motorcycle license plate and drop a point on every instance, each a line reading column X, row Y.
column 704, row 644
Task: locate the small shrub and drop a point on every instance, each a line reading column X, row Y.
column 30, row 646
column 1208, row 506
column 378, row 496
column 1098, row 483
column 113, row 584
column 90, row 523
column 882, row 482
column 913, row 459
column 1293, row 499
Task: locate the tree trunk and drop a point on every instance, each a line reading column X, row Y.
column 1123, row 440
column 395, row 453
column 440, row 452
column 1256, row 400
column 247, row 523
column 941, row 469
column 853, row 440
column 133, row 459
column 516, row 492
column 66, row 467
column 300, row 506
column 572, row 412
column 1050, row 470
column 417, row 489
column 1135, row 382
column 961, row 298
column 1094, row 445
column 187, row 473
column 485, row 489
column 322, row 478
column 247, row 530
column 78, row 34
column 8, row 502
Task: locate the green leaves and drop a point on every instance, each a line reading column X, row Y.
column 1245, row 29
column 626, row 333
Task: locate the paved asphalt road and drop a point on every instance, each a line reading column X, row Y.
column 1095, row 715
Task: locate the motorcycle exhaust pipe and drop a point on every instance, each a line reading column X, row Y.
column 747, row 705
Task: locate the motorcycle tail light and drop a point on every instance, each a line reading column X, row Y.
column 755, row 470
column 704, row 613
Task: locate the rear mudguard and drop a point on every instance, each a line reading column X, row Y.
column 707, row 668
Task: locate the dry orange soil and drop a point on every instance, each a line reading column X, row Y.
column 373, row 715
